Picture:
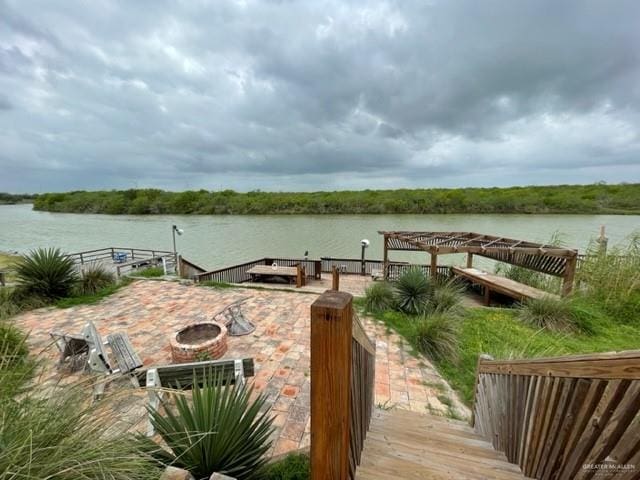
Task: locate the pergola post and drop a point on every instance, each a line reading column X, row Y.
column 385, row 260
column 469, row 260
column 434, row 265
column 569, row 275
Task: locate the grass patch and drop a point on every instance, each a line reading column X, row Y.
column 214, row 284
column 7, row 262
column 295, row 466
column 92, row 298
column 502, row 335
column 152, row 272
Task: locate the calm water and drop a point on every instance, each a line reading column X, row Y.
column 216, row 241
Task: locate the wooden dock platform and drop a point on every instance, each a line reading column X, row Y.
column 408, row 445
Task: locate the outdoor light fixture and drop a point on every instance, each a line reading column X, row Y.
column 179, row 231
column 365, row 243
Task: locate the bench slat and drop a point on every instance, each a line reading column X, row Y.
column 180, row 375
column 124, row 353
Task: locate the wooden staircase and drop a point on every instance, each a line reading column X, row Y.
column 408, row 445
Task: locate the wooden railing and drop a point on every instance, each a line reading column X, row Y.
column 342, row 387
column 566, row 417
column 107, row 253
column 314, row 268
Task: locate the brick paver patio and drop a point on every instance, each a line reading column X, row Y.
column 150, row 311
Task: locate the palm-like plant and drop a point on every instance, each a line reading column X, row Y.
column 46, row 272
column 219, row 430
column 413, row 291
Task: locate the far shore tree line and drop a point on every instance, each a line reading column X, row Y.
column 579, row 199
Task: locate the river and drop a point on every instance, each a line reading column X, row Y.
column 216, row 241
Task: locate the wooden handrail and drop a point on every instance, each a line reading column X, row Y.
column 563, row 417
column 342, row 386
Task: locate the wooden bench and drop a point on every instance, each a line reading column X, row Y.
column 126, row 358
column 180, row 376
column 495, row 283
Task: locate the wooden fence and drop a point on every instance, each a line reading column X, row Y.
column 566, row 417
column 342, row 387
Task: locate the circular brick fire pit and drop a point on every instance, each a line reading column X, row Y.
column 200, row 341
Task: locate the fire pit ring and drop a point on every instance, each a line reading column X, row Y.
column 199, row 341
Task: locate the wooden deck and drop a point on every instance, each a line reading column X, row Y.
column 495, row 283
column 408, row 445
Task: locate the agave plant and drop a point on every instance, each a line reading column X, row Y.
column 219, row 430
column 413, row 291
column 46, row 272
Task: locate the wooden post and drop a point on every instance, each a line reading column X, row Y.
column 317, row 269
column 569, row 275
column 434, row 266
column 299, row 276
column 469, row 260
column 335, row 278
column 331, row 331
column 385, row 260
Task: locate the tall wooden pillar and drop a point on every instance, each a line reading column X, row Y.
column 434, row 266
column 331, row 333
column 385, row 260
column 469, row 260
column 569, row 275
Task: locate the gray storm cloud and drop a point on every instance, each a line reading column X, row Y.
column 317, row 95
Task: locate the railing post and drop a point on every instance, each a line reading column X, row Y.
column 335, row 278
column 331, row 331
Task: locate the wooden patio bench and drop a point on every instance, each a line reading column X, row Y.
column 126, row 358
column 180, row 376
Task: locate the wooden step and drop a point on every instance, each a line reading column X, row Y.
column 407, row 445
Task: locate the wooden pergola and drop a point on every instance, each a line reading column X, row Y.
column 549, row 259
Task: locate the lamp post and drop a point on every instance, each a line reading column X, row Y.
column 364, row 243
column 179, row 231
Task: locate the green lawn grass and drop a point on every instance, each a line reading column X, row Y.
column 75, row 300
column 499, row 333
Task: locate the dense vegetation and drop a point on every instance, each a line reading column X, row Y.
column 11, row 198
column 596, row 198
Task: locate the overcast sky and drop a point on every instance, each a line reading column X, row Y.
column 310, row 95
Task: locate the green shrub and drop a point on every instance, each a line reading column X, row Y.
column 295, row 466
column 13, row 345
column 46, row 273
column 151, row 272
column 436, row 336
column 219, row 430
column 413, row 291
column 552, row 313
column 612, row 279
column 57, row 436
column 446, row 297
column 379, row 297
column 94, row 278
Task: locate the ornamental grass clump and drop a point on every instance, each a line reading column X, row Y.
column 94, row 278
column 46, row 273
column 437, row 336
column 379, row 297
column 413, row 291
column 552, row 313
column 446, row 297
column 219, row 429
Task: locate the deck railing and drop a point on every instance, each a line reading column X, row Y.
column 108, row 253
column 566, row 417
column 313, row 267
column 342, row 387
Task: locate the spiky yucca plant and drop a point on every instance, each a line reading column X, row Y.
column 220, row 429
column 46, row 272
column 413, row 291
